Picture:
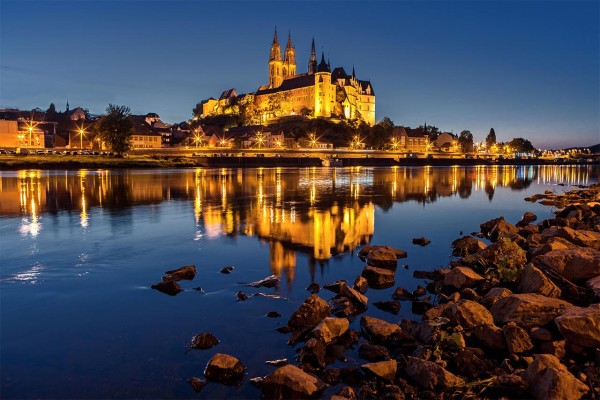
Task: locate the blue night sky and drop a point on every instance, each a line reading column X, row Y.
column 527, row 69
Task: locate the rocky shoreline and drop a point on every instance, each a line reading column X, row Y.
column 518, row 318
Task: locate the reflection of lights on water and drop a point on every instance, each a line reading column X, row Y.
column 198, row 235
column 30, row 275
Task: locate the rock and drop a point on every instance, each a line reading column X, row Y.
column 290, row 382
column 241, row 296
column 331, row 376
column 403, row 295
column 373, row 352
column 382, row 258
column 540, row 334
column 496, row 228
column 203, row 341
column 594, row 285
column 419, row 291
column 357, row 298
column 553, row 243
column 273, row 314
column 469, row 294
column 529, row 217
column 462, row 277
column 422, row 241
column 313, row 353
column 496, row 294
column 170, row 287
column 385, row 370
column 548, row 379
column 472, row 315
column 392, row 306
column 187, row 273
column 467, row 245
column 528, row 230
column 535, row 281
column 268, row 282
column 314, row 288
column 528, row 310
column 426, row 331
column 581, row 326
column 361, row 284
column 364, row 252
column 227, row 270
column 471, row 362
column 517, row 339
column 380, row 331
column 277, row 363
column 330, row 329
column 379, row 278
column 310, row 313
column 225, row 369
column 341, row 306
column 335, row 286
column 197, row 383
column 430, row 375
column 557, row 348
column 345, row 393
column 581, row 238
column 574, row 264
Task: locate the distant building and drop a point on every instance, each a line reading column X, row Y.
column 24, row 129
column 144, row 135
column 316, row 93
column 446, row 141
column 410, row 141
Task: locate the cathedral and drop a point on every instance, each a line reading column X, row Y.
column 320, row 92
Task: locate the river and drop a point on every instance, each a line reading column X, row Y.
column 79, row 251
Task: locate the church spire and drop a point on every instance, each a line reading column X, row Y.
column 289, row 58
column 275, row 63
column 275, row 48
column 323, row 67
column 312, row 61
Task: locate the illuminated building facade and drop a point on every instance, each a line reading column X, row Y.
column 320, row 92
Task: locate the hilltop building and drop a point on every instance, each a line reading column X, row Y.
column 320, row 92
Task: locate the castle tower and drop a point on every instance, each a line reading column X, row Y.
column 275, row 63
column 324, row 90
column 289, row 59
column 312, row 61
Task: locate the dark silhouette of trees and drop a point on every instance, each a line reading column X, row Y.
column 115, row 128
column 490, row 139
column 465, row 140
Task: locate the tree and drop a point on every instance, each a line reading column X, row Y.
column 51, row 109
column 465, row 140
column 520, row 145
column 490, row 139
column 386, row 123
column 115, row 128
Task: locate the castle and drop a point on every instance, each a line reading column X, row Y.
column 320, row 92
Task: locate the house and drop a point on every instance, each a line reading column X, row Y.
column 24, row 129
column 144, row 135
column 410, row 141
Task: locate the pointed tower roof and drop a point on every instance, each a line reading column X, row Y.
column 353, row 74
column 312, row 49
column 289, row 41
column 275, row 39
column 275, row 48
column 323, row 67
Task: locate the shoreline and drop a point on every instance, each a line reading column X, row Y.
column 175, row 162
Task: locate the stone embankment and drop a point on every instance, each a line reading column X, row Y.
column 516, row 318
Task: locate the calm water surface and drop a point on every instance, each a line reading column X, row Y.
column 80, row 249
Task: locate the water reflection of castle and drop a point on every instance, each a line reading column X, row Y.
column 319, row 212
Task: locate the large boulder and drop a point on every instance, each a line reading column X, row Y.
column 594, row 285
column 429, row 375
column 382, row 258
column 385, row 370
column 290, row 382
column 548, row 379
column 310, row 313
column 203, row 341
column 380, row 331
column 225, row 369
column 497, row 228
column 496, row 294
column 379, row 278
column 364, row 252
column 462, row 277
column 467, row 245
column 169, row 287
column 581, row 326
column 578, row 237
column 535, row 281
column 528, row 310
column 330, row 329
column 574, row 264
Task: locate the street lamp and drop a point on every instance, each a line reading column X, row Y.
column 81, row 131
column 394, row 143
